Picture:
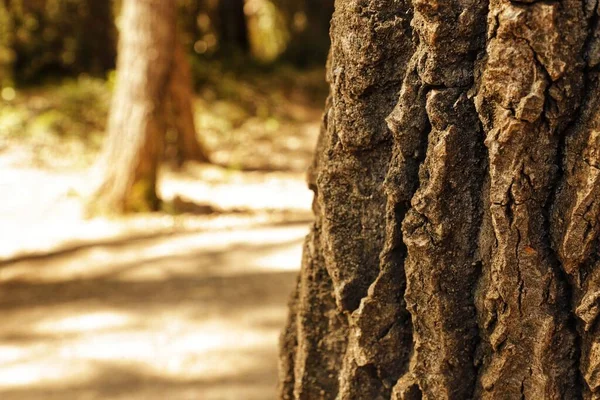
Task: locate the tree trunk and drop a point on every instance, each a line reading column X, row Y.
column 455, row 252
column 181, row 111
column 136, row 122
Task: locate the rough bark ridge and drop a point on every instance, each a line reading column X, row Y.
column 457, row 180
column 440, row 230
column 314, row 339
column 529, row 90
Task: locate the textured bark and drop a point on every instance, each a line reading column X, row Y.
column 457, row 180
column 576, row 217
column 315, row 336
column 136, row 122
column 528, row 345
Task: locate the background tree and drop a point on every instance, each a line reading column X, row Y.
column 153, row 88
column 98, row 37
column 455, row 249
column 135, row 127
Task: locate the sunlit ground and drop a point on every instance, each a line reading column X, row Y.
column 190, row 316
column 182, row 305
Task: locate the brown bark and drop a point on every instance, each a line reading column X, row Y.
column 457, row 187
column 136, row 127
column 180, row 112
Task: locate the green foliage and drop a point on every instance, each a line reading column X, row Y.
column 243, row 115
column 268, row 29
column 76, row 109
column 142, row 197
column 254, row 85
column 296, row 31
column 259, row 104
column 13, row 121
column 197, row 27
column 309, row 42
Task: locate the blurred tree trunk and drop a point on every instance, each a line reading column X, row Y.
column 456, row 248
column 232, row 28
column 136, row 122
column 180, row 112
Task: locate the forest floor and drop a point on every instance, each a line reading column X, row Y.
column 187, row 303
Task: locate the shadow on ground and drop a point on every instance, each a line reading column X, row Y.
column 189, row 316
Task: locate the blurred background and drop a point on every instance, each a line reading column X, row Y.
column 139, row 260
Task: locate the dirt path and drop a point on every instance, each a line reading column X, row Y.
column 155, row 307
column 191, row 316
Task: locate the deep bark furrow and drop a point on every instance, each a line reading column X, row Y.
column 381, row 333
column 576, row 218
column 407, row 387
column 527, row 345
column 385, row 297
column 587, row 308
column 441, row 235
column 576, row 210
column 435, row 117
